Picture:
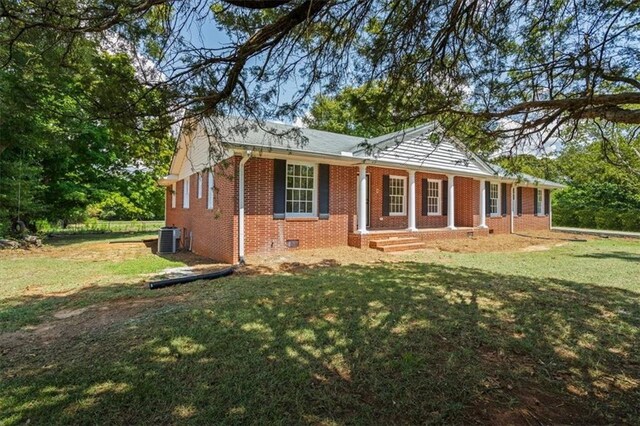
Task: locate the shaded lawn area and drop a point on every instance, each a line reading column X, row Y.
column 525, row 338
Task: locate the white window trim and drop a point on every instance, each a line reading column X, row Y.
column 314, row 196
column 199, row 183
column 499, row 200
column 186, row 192
column 210, row 183
column 541, row 200
column 404, row 196
column 174, row 195
column 439, row 212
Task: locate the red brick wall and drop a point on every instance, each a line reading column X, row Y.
column 378, row 221
column 501, row 224
column 263, row 233
column 214, row 231
column 528, row 221
column 428, row 221
column 466, row 203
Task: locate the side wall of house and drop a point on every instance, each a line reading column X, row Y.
column 528, row 220
column 213, row 231
column 265, row 234
column 501, row 224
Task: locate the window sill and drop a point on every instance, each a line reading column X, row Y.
column 434, row 214
column 397, row 214
column 301, row 219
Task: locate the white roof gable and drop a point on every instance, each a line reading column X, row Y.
column 423, row 147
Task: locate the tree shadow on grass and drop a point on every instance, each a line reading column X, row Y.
column 621, row 255
column 400, row 342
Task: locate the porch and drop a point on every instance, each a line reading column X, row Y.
column 403, row 239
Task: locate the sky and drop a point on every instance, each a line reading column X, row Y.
column 205, row 33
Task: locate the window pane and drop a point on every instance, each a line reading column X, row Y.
column 300, row 185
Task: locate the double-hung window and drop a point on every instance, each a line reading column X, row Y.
column 397, row 195
column 540, row 202
column 301, row 189
column 185, row 192
column 494, row 199
column 434, row 197
column 210, row 190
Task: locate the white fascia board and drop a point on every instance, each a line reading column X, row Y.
column 168, row 180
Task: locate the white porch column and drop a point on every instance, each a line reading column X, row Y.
column 362, row 199
column 483, row 204
column 412, row 201
column 451, row 220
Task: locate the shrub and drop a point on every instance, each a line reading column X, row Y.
column 630, row 220
column 611, row 219
column 43, row 226
column 115, row 206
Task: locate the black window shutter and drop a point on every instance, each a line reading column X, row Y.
column 519, row 201
column 425, row 189
column 504, row 199
column 535, row 201
column 323, row 191
column 487, row 200
column 279, row 188
column 547, row 200
column 385, row 195
column 444, row 188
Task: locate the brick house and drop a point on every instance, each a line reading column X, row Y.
column 264, row 193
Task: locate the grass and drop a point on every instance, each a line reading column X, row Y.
column 540, row 337
column 35, row 278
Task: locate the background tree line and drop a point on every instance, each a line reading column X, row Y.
column 64, row 154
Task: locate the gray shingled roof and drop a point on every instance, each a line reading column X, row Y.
column 267, row 135
column 414, row 147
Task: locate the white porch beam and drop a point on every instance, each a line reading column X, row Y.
column 412, row 201
column 451, row 220
column 483, row 204
column 362, row 199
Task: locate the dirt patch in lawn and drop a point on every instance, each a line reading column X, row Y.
column 297, row 260
column 534, row 241
column 110, row 250
column 68, row 324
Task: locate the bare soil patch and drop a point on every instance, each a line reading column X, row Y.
column 297, row 260
column 67, row 324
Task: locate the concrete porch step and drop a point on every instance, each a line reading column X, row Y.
column 401, row 247
column 375, row 244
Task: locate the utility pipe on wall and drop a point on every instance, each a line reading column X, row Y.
column 245, row 158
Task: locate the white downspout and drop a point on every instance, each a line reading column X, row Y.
column 550, row 211
column 245, row 158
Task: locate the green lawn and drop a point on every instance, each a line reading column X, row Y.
column 521, row 337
